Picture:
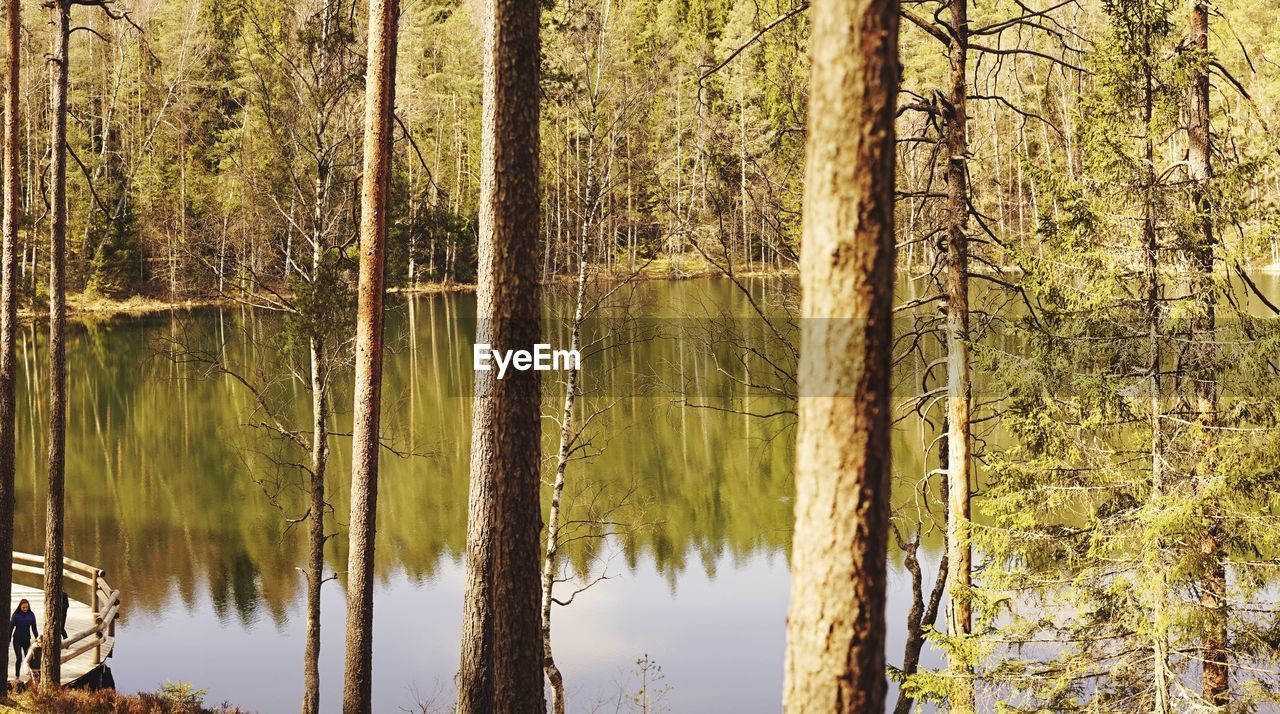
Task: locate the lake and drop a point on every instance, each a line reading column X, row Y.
column 168, row 476
column 167, row 482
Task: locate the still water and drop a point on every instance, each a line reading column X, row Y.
column 168, row 473
column 167, row 482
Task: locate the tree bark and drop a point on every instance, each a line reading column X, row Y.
column 315, row 523
column 956, row 285
column 8, row 316
column 51, row 663
column 1213, row 595
column 835, row 628
column 384, row 16
column 1151, row 245
column 501, row 664
column 319, row 391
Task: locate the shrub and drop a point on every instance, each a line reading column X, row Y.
column 173, row 698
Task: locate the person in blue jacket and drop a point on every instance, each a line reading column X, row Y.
column 22, row 625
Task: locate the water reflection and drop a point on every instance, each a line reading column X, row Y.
column 163, row 470
column 161, row 492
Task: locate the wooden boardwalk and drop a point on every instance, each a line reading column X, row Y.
column 90, row 621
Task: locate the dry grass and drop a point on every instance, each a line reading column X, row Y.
column 172, row 699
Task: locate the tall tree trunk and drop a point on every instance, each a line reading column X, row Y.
column 319, row 418
column 956, row 284
column 51, row 663
column 8, row 318
column 1214, row 643
column 315, row 523
column 835, row 626
column 380, row 78
column 501, row 667
column 1151, row 251
column 319, row 463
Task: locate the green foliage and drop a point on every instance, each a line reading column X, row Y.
column 323, row 302
column 183, row 696
column 117, row 266
column 650, row 686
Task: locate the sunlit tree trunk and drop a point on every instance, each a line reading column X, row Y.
column 835, row 627
column 315, row 524
column 51, row 663
column 315, row 516
column 380, row 75
column 501, row 664
column 956, row 285
column 8, row 317
column 1213, row 595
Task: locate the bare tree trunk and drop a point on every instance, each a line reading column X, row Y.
column 315, row 524
column 51, row 663
column 956, row 284
column 1160, row 643
column 835, row 626
column 1213, row 595
column 319, row 400
column 319, row 454
column 551, row 561
column 9, row 319
column 384, row 16
column 921, row 615
column 501, row 667
column 742, row 173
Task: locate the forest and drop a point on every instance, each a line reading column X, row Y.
column 949, row 332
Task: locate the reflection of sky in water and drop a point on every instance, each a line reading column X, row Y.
column 718, row 640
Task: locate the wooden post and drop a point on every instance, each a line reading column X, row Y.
column 97, row 638
column 97, row 618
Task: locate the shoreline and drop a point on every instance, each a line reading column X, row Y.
column 81, row 306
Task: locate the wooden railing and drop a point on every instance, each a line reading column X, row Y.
column 103, row 601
